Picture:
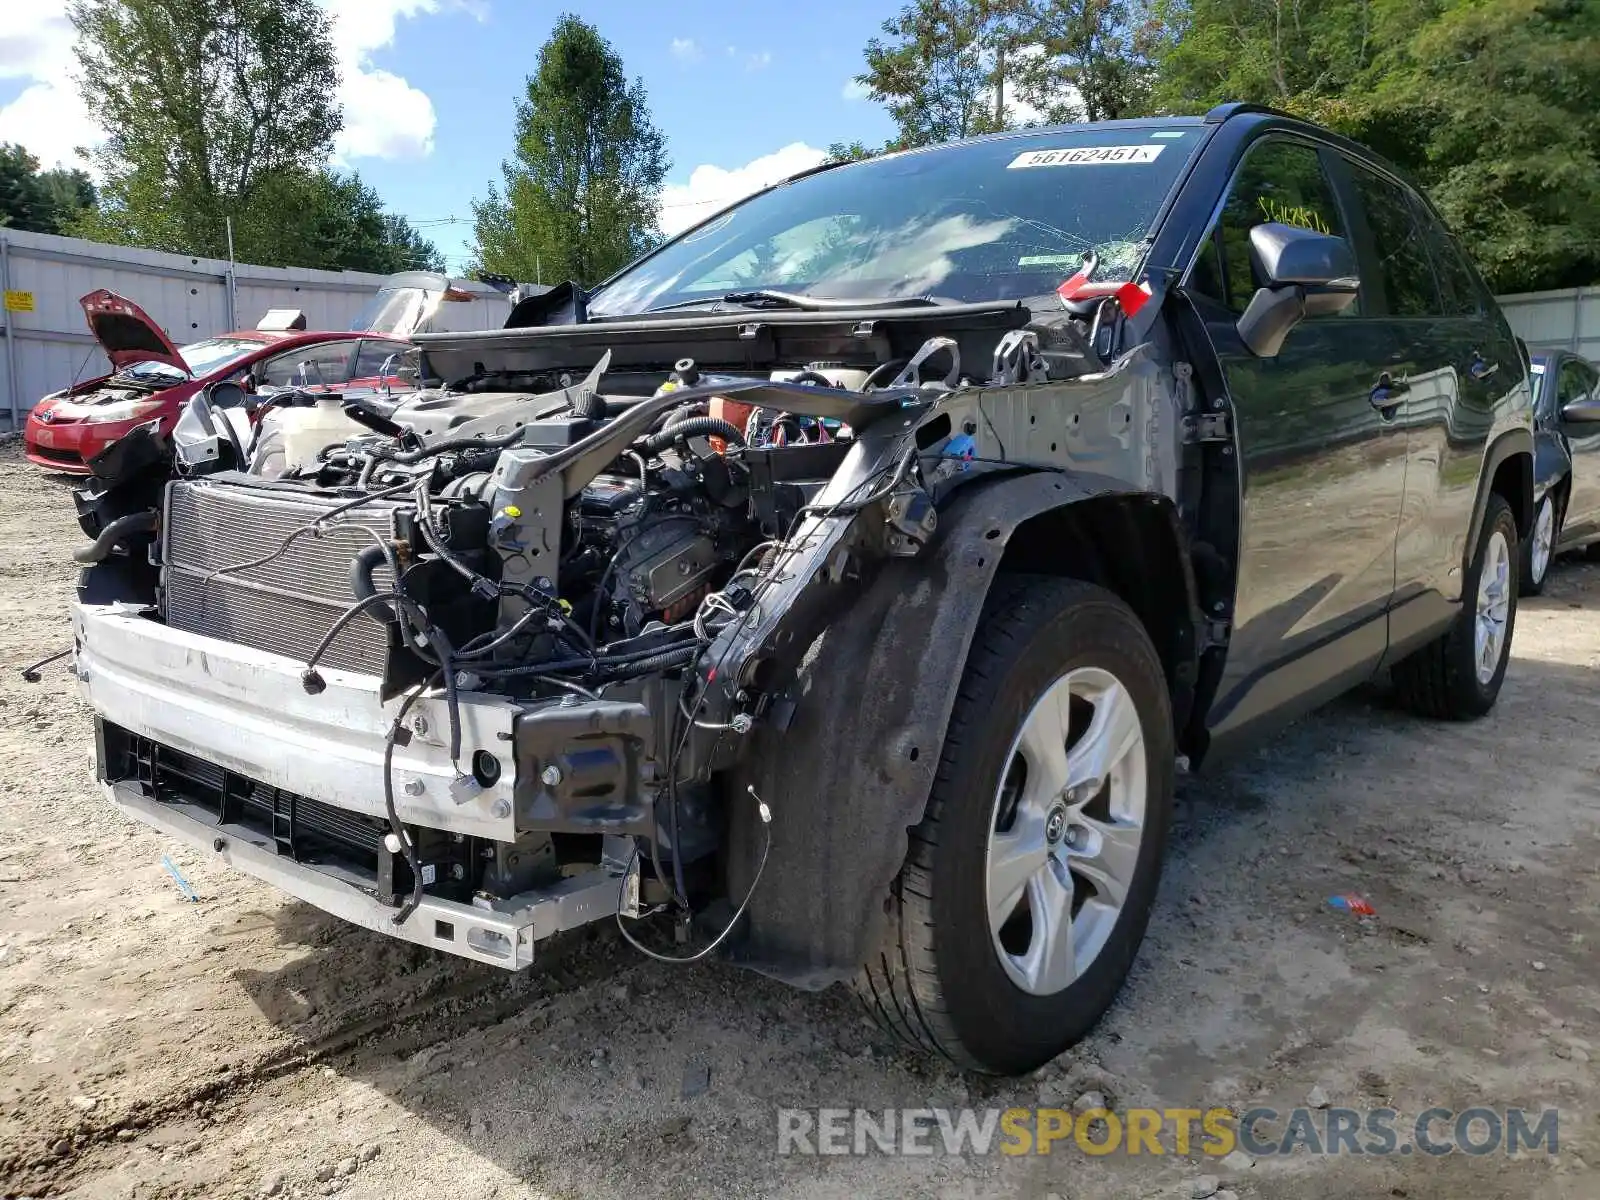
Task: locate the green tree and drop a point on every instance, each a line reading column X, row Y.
column 346, row 228
column 68, row 193
column 39, row 201
column 843, row 152
column 1085, row 60
column 1491, row 105
column 581, row 194
column 1488, row 104
column 1299, row 55
column 943, row 71
column 212, row 109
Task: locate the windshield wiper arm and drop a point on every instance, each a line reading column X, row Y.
column 766, row 298
column 816, row 304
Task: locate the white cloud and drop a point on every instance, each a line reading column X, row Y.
column 752, row 60
column 686, row 50
column 854, row 89
column 386, row 116
column 47, row 116
column 34, row 37
column 711, row 188
column 50, row 122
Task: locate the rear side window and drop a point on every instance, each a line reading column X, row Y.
column 374, row 355
column 1404, row 273
column 316, row 365
column 1459, row 291
column 1278, row 181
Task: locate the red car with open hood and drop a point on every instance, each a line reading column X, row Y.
column 152, row 378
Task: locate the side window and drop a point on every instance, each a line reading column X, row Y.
column 1458, row 287
column 374, row 354
column 1279, row 181
column 328, row 364
column 1405, row 276
column 1574, row 383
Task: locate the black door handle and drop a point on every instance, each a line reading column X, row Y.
column 1387, row 394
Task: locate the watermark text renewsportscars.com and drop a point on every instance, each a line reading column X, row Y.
column 1216, row 1132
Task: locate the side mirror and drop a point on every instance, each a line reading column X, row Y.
column 1308, row 274
column 1583, row 411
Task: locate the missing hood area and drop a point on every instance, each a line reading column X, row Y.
column 645, row 536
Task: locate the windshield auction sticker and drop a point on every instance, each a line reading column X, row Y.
column 1087, row 156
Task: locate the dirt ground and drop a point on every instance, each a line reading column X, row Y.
column 246, row 1045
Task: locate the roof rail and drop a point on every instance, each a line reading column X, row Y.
column 1234, row 108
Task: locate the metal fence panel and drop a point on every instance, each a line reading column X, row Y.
column 45, row 344
column 1564, row 320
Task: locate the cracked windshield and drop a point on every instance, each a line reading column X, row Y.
column 999, row 220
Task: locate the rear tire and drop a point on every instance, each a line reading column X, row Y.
column 965, row 970
column 1539, row 551
column 1458, row 676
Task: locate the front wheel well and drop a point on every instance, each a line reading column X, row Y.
column 1131, row 545
column 1513, row 481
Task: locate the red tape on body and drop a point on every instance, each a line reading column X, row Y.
column 1131, row 296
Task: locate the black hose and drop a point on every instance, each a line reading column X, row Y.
column 407, row 457
column 629, row 660
column 312, row 680
column 679, row 657
column 100, row 549
column 687, row 413
column 693, row 427
column 395, row 827
column 366, row 561
column 375, row 421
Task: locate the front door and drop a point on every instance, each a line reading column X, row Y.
column 1574, row 381
column 1323, row 460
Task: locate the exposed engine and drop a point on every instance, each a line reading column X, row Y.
column 634, row 555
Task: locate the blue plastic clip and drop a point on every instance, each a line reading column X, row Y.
column 962, row 446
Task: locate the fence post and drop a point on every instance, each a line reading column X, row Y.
column 10, row 319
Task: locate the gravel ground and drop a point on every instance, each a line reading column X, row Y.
column 247, row 1045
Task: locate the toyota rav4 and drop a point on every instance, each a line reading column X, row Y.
column 841, row 586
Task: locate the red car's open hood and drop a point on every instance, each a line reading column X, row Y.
column 126, row 332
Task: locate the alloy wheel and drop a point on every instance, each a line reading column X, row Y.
column 1544, row 536
column 1069, row 818
column 1494, row 606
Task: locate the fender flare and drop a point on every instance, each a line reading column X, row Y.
column 1508, row 445
column 851, row 774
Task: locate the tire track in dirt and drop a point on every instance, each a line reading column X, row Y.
column 454, row 1009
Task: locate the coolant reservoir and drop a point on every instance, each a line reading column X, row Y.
column 303, row 433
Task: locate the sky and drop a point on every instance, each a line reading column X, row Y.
column 744, row 92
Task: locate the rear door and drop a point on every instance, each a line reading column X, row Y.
column 1324, row 458
column 1432, row 343
column 1576, row 380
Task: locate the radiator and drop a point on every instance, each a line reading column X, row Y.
column 284, row 606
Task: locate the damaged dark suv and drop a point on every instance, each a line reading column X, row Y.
column 840, row 587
